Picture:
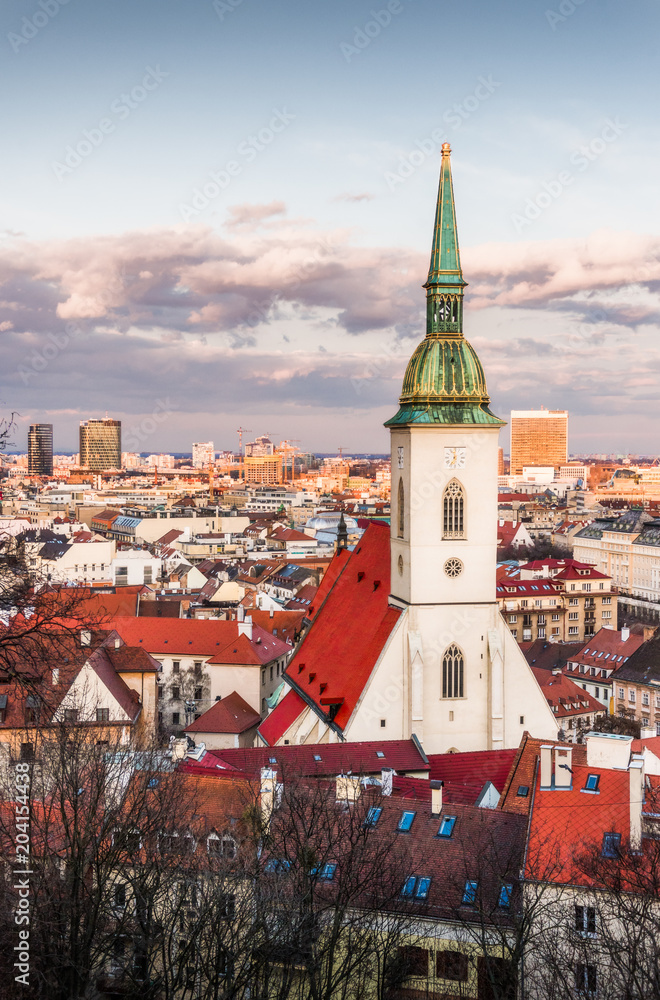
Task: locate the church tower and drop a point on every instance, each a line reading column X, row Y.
column 444, row 445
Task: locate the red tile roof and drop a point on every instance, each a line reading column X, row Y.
column 210, row 637
column 465, row 774
column 320, row 758
column 352, row 625
column 230, row 715
column 564, row 696
column 281, row 718
column 606, row 649
column 523, row 770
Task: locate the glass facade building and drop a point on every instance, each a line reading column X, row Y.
column 100, row 444
column 40, row 450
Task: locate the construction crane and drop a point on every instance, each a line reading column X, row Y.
column 241, row 431
column 283, row 449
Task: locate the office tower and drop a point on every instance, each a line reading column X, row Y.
column 40, row 450
column 100, row 444
column 203, row 454
column 260, row 447
column 538, row 437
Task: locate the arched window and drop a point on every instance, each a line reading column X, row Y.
column 401, row 509
column 453, row 510
column 452, row 672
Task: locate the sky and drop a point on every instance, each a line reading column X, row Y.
column 218, row 213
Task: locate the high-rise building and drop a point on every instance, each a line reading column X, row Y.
column 100, row 444
column 538, row 437
column 262, row 469
column 40, row 450
column 260, row 447
column 203, row 454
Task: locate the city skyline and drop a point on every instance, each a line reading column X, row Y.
column 288, row 298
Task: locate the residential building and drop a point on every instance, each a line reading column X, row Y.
column 260, row 447
column 40, row 450
column 83, row 559
column 132, row 567
column 100, row 444
column 557, row 599
column 203, row 660
column 538, row 438
column 593, row 666
column 426, row 584
column 203, row 454
column 229, row 722
column 636, row 685
column 574, row 708
column 627, row 548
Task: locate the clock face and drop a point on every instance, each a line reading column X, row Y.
column 455, row 458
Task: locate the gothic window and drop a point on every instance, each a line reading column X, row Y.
column 453, row 510
column 401, row 509
column 452, row 672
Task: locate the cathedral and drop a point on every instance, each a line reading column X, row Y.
column 406, row 636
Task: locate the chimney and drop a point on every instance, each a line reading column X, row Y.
column 348, row 788
column 245, row 627
column 270, row 792
column 608, row 750
column 386, row 780
column 646, row 733
column 546, row 765
column 85, row 637
column 436, row 797
column 636, row 775
column 240, row 613
column 272, row 612
column 563, row 772
column 625, row 633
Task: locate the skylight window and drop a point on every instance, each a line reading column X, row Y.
column 505, row 896
column 406, row 821
column 523, row 791
column 447, row 826
column 373, row 816
column 317, row 756
column 379, row 753
column 416, row 887
column 272, row 760
column 611, row 845
column 277, row 866
column 325, row 872
column 470, row 892
column 591, row 784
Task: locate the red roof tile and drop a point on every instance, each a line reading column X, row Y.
column 230, row 715
column 465, row 774
column 211, row 637
column 352, row 625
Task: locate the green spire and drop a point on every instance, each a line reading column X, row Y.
column 445, row 266
column 444, row 381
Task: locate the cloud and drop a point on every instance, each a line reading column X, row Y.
column 363, row 196
column 276, row 316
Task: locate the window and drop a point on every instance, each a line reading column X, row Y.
column 399, row 452
column 447, row 826
column 416, row 887
column 585, row 919
column 607, row 600
column 27, row 751
column 513, row 619
column 645, row 698
column 406, row 822
column 382, row 723
column 453, row 511
column 373, row 816
column 198, row 694
column 573, row 630
column 103, row 715
column 586, row 586
column 573, row 600
column 147, row 574
column 470, row 893
column 71, row 715
column 227, row 905
column 176, row 719
column 451, row 965
column 277, row 866
column 611, row 845
column 540, row 620
column 176, row 693
column 263, row 677
column 160, row 690
column 198, row 668
column 622, row 693
column 452, row 673
column 555, row 618
column 401, row 509
column 325, row 872
column 523, row 791
column 607, row 614
column 504, row 900
column 541, row 633
column 585, row 979
column 119, row 896
column 413, row 961
column 223, row 847
column 176, row 666
column 573, row 616
column 632, row 695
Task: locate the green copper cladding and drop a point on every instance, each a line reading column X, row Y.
column 444, row 381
